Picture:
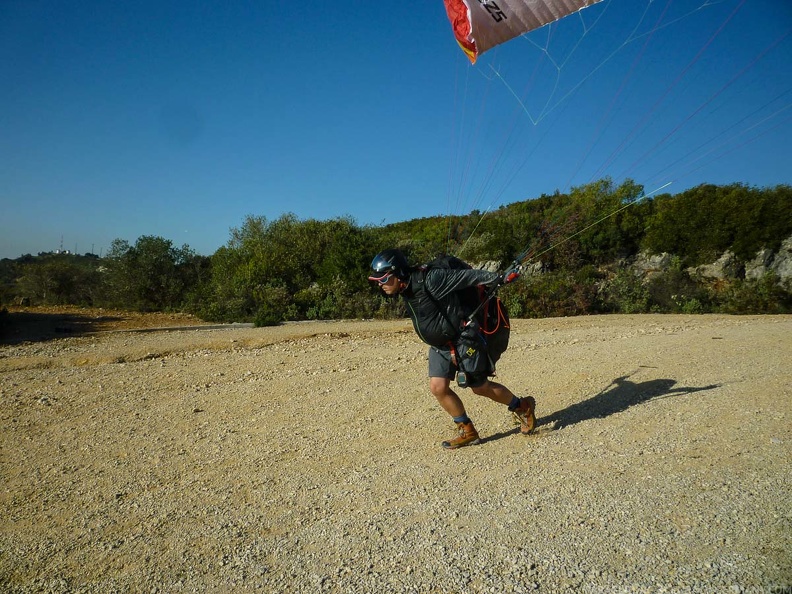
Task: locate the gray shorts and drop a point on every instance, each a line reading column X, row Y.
column 440, row 365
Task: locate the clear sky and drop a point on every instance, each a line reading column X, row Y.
column 178, row 119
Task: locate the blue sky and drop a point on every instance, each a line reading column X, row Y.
column 176, row 119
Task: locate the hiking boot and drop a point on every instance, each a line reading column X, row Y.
column 524, row 415
column 467, row 436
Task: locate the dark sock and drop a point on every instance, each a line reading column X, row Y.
column 462, row 419
column 514, row 404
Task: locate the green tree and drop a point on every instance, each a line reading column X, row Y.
column 606, row 229
column 700, row 224
column 58, row 279
column 151, row 275
column 9, row 272
column 292, row 269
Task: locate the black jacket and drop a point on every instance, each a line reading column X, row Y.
column 437, row 304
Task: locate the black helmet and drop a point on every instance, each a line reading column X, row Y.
column 389, row 262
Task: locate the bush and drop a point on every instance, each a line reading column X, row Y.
column 553, row 294
column 673, row 291
column 762, row 296
column 273, row 304
column 625, row 293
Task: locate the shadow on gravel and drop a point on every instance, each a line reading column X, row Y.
column 620, row 395
column 18, row 327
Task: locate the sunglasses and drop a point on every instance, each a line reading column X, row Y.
column 382, row 279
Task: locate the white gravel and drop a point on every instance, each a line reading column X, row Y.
column 306, row 458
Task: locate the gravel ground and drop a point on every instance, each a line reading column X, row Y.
column 305, row 458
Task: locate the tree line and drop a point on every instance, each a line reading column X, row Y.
column 581, row 244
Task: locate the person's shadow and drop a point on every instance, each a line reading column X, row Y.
column 618, row 396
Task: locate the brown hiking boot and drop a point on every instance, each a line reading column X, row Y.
column 467, row 436
column 524, row 415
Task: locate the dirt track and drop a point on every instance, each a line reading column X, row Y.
column 306, row 458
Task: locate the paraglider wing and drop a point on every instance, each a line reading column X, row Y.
column 482, row 24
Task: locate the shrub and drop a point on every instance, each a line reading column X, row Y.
column 673, row 291
column 625, row 293
column 552, row 294
column 761, row 296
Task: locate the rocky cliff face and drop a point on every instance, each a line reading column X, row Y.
column 728, row 266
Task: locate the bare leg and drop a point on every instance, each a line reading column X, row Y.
column 448, row 399
column 494, row 391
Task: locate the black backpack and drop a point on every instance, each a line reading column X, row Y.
column 492, row 316
column 470, row 297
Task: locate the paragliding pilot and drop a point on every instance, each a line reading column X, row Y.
column 455, row 312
